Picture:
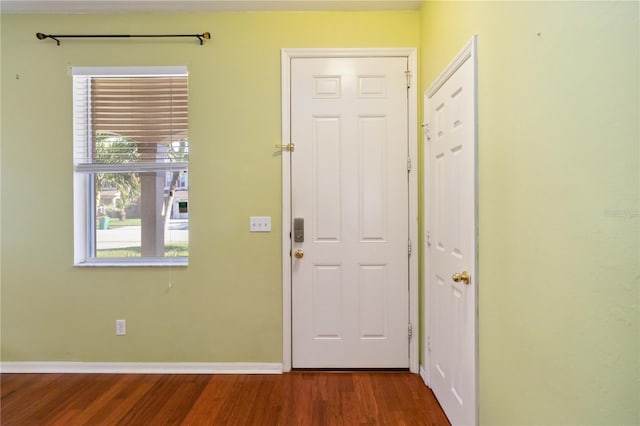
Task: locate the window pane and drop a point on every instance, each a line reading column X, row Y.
column 141, row 215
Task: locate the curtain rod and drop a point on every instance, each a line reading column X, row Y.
column 42, row 36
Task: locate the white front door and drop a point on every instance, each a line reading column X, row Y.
column 450, row 210
column 350, row 283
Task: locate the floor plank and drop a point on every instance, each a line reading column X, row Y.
column 298, row 398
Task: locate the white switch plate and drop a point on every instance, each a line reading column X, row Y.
column 260, row 224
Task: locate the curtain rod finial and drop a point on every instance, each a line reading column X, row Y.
column 43, row 36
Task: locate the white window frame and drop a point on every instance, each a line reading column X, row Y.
column 83, row 188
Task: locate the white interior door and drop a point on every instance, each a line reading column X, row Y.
column 350, row 283
column 451, row 273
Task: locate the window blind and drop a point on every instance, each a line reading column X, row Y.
column 131, row 124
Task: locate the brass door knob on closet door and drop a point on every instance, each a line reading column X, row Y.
column 299, row 254
column 463, row 276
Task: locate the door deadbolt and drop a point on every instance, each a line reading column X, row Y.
column 298, row 230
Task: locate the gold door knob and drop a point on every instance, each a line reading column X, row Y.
column 299, row 254
column 464, row 277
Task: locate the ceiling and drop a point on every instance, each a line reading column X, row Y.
column 129, row 6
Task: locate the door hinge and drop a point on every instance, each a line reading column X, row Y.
column 409, row 164
column 410, row 331
column 409, row 247
column 428, row 343
column 427, row 133
column 409, row 78
column 428, row 239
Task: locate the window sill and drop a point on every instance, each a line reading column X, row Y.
column 143, row 262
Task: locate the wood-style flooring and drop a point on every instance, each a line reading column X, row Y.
column 298, row 398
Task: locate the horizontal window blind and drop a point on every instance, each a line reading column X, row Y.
column 130, row 124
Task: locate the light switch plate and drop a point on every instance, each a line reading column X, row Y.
column 260, row 224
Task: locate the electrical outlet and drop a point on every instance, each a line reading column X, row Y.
column 121, row 327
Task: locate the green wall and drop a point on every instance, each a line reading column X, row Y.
column 558, row 204
column 227, row 305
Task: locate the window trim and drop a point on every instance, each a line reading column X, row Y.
column 135, row 262
column 83, row 189
column 130, row 71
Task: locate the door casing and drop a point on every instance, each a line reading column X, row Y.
column 412, row 104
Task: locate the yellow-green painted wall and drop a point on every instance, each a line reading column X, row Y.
column 559, row 204
column 227, row 305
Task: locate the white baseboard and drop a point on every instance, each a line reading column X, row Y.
column 142, row 367
column 423, row 374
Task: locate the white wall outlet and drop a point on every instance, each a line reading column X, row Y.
column 121, row 327
column 260, row 224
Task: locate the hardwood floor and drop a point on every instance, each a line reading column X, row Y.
column 298, row 398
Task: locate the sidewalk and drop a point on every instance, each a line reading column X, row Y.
column 129, row 236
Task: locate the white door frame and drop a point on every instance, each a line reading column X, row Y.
column 468, row 52
column 412, row 58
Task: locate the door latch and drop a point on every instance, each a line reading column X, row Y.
column 288, row 147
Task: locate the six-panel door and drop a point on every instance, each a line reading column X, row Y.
column 349, row 184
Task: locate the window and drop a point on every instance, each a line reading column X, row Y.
column 131, row 157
